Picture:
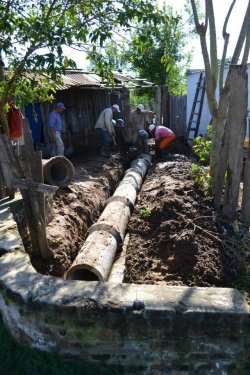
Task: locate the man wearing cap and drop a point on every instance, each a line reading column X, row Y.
column 105, row 129
column 55, row 128
column 137, row 121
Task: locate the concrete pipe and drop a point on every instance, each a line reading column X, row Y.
column 58, row 171
column 139, row 167
column 96, row 256
column 93, row 261
column 114, row 220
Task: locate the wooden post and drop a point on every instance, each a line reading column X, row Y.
column 158, row 114
column 39, row 239
column 237, row 128
column 165, row 106
column 245, row 208
column 126, row 111
column 21, row 176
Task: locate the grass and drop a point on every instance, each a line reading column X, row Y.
column 16, row 359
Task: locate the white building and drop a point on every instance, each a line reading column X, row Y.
column 192, row 80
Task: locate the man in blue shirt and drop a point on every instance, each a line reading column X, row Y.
column 55, row 128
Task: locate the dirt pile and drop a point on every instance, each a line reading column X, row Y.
column 173, row 232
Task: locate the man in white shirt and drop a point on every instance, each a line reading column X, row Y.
column 105, row 129
column 137, row 121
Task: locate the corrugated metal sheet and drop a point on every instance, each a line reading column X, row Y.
column 77, row 78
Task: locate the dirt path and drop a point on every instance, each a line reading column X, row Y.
column 169, row 239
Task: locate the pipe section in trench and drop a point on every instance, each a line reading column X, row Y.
column 58, row 171
column 95, row 259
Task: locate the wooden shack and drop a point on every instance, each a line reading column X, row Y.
column 85, row 96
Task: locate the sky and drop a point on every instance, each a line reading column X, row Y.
column 220, row 9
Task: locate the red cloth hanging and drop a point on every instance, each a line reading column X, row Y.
column 15, row 121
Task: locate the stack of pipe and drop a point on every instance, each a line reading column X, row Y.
column 95, row 259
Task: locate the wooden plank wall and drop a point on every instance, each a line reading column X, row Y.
column 83, row 109
column 177, row 114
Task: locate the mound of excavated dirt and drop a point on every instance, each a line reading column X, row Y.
column 174, row 236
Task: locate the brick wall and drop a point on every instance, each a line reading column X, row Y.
column 143, row 328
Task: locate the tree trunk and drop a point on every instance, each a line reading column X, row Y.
column 218, row 129
column 4, row 128
column 245, row 209
column 237, row 129
column 3, row 121
column 221, row 169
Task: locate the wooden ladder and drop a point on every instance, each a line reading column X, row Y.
column 195, row 115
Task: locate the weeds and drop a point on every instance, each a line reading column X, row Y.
column 145, row 212
column 201, row 171
column 202, row 178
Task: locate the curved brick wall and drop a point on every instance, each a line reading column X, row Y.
column 146, row 329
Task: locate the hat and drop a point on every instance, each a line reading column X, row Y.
column 120, row 121
column 141, row 107
column 151, row 127
column 60, row 105
column 116, row 106
column 143, row 134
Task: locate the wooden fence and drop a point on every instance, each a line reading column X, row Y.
column 177, row 114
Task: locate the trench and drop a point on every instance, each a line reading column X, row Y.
column 168, row 230
column 98, row 252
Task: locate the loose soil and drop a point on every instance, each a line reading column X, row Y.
column 174, row 236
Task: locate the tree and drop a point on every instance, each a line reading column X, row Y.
column 156, row 53
column 215, row 77
column 154, row 50
column 32, row 34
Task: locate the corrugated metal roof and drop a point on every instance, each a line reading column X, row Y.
column 80, row 78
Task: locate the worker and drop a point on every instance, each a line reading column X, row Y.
column 143, row 140
column 119, row 134
column 55, row 127
column 163, row 137
column 105, row 129
column 138, row 121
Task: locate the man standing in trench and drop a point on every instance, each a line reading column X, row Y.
column 137, row 121
column 55, row 128
column 105, row 129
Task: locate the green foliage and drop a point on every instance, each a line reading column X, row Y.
column 137, row 98
column 145, row 212
column 201, row 172
column 34, row 32
column 154, row 50
column 202, row 146
column 157, row 52
column 201, row 176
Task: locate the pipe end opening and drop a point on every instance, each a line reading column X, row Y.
column 83, row 275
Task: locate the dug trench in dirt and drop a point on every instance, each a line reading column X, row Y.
column 77, row 207
column 166, row 244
